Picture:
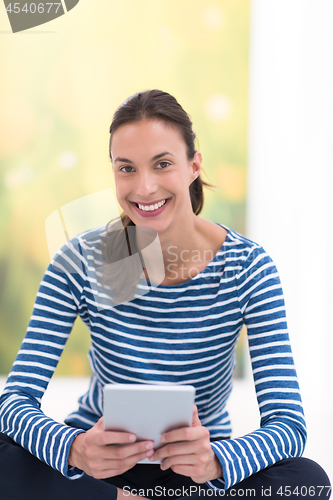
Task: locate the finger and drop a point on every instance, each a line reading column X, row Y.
column 176, row 449
column 184, row 434
column 171, row 462
column 186, row 470
column 122, row 451
column 100, row 423
column 111, row 437
column 114, row 467
column 195, row 417
column 116, row 437
column 120, row 461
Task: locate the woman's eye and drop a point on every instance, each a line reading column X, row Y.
column 163, row 164
column 127, row 166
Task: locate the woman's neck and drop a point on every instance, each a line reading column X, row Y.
column 179, row 256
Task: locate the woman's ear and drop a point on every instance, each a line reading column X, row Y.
column 196, row 165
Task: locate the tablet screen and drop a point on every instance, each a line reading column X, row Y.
column 147, row 410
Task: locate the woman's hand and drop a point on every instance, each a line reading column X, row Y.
column 102, row 454
column 187, row 451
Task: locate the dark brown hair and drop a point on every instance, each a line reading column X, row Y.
column 156, row 104
column 151, row 104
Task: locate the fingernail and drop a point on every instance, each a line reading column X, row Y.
column 162, row 438
column 150, row 453
column 150, row 446
column 132, row 437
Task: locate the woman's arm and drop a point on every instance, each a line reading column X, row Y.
column 54, row 313
column 282, row 432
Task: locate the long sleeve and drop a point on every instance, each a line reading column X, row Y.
column 182, row 334
column 282, row 432
column 55, row 310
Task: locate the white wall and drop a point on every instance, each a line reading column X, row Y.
column 290, row 185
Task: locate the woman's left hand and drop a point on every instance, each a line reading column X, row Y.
column 187, row 451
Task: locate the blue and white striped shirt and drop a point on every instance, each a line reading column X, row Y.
column 179, row 334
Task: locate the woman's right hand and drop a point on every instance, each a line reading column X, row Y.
column 102, row 454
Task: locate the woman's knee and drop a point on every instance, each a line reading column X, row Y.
column 312, row 472
column 299, row 476
column 291, row 477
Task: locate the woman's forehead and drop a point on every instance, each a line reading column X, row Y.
column 147, row 135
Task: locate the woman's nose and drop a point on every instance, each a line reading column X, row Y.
column 146, row 184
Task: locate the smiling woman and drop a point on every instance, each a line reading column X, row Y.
column 151, row 181
column 157, row 176
column 162, row 108
column 182, row 330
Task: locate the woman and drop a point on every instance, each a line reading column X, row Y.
column 179, row 328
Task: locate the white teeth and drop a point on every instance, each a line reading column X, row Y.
column 150, row 208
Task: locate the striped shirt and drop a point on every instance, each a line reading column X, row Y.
column 169, row 334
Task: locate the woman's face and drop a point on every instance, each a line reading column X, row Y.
column 151, row 170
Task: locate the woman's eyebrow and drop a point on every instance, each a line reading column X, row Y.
column 160, row 155
column 126, row 160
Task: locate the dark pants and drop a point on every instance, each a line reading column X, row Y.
column 24, row 477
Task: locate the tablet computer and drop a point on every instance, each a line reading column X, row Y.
column 147, row 410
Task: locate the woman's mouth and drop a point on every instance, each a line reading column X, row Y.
column 151, row 210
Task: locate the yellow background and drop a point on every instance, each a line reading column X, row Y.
column 60, row 85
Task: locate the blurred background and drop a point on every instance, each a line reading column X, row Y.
column 58, row 93
column 256, row 78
